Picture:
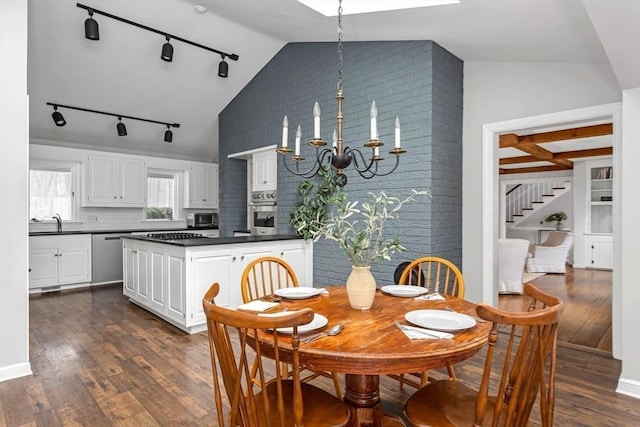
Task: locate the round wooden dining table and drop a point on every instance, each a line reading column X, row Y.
column 371, row 345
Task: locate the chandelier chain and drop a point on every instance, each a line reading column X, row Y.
column 339, row 44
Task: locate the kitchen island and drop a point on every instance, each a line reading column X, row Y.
column 170, row 277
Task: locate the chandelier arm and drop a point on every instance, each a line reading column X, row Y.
column 356, row 163
column 368, row 173
column 322, row 156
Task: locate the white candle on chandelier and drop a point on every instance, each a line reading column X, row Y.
column 334, row 138
column 298, row 136
column 316, row 121
column 374, row 116
column 397, row 132
column 376, row 152
column 285, row 131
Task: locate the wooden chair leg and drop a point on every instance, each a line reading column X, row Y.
column 452, row 373
column 336, row 383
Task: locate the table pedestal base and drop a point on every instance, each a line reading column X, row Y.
column 363, row 396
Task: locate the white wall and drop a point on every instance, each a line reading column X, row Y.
column 626, row 264
column 14, row 144
column 500, row 91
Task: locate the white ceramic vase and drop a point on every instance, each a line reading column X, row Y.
column 361, row 288
column 559, row 226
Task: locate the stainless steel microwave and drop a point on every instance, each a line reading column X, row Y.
column 202, row 220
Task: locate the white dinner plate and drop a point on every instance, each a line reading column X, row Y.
column 318, row 322
column 440, row 320
column 301, row 292
column 404, row 290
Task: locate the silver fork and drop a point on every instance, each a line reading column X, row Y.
column 476, row 318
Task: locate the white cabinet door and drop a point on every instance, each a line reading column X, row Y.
column 130, row 273
column 100, row 181
column 600, row 252
column 59, row 260
column 143, row 288
column 176, row 305
column 132, row 190
column 264, row 171
column 157, row 279
column 114, row 182
column 43, row 267
column 202, row 187
column 296, row 257
column 206, row 269
column 73, row 265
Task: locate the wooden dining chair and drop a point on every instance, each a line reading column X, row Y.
column 263, row 276
column 437, row 275
column 525, row 370
column 277, row 401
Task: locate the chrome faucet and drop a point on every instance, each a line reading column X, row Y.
column 59, row 221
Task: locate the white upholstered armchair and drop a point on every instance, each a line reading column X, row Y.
column 551, row 255
column 512, row 254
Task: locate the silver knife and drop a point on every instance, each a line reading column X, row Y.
column 409, row 328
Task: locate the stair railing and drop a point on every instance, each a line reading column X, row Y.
column 522, row 197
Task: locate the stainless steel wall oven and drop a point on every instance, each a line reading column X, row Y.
column 263, row 212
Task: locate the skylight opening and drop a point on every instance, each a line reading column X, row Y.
column 329, row 8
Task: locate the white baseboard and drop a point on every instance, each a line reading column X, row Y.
column 15, row 371
column 629, row 387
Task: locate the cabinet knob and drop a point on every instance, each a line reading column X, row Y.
column 242, row 258
column 281, row 254
column 233, row 259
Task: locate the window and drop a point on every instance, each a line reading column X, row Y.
column 161, row 195
column 52, row 190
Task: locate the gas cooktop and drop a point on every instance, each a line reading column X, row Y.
column 175, row 236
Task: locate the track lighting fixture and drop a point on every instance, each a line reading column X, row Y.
column 58, row 119
column 91, row 32
column 223, row 68
column 91, row 27
column 167, row 51
column 122, row 129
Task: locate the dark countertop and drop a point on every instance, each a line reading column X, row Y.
column 138, row 230
column 212, row 241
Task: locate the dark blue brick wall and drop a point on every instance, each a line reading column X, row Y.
column 418, row 81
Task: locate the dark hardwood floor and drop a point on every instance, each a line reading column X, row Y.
column 99, row 360
column 587, row 297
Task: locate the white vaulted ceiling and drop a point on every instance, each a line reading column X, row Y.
column 123, row 73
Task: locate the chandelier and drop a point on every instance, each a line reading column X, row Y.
column 339, row 156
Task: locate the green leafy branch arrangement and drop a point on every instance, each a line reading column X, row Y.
column 309, row 215
column 363, row 240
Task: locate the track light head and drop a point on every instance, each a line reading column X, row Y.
column 223, row 68
column 58, row 119
column 168, row 134
column 167, row 51
column 91, row 27
column 122, row 129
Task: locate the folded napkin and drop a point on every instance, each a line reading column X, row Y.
column 257, row 305
column 324, row 291
column 431, row 297
column 415, row 333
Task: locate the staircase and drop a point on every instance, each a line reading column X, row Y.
column 523, row 199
